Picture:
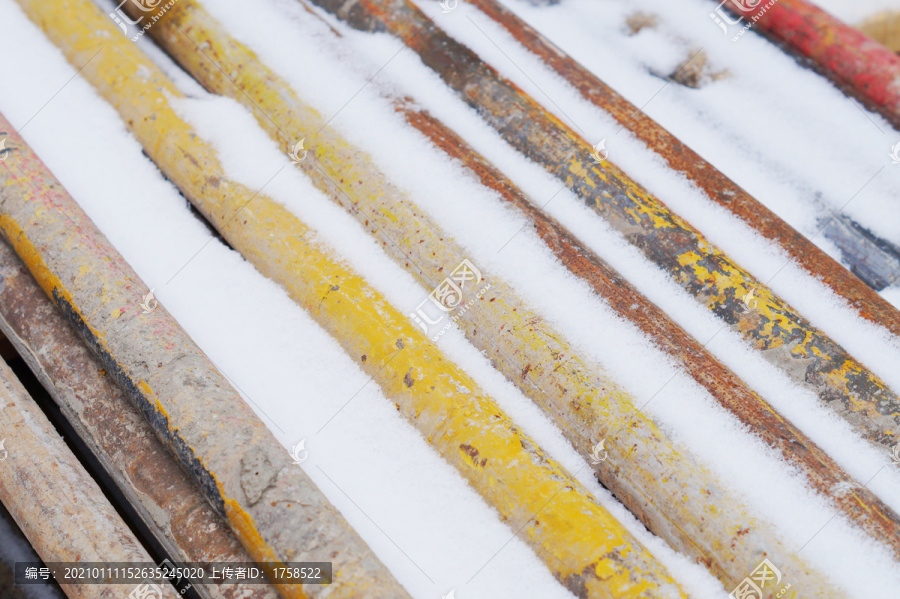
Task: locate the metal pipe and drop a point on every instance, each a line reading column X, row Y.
column 856, row 502
column 853, row 61
column 874, row 260
column 663, row 492
column 783, row 336
column 116, row 433
column 16, row 548
column 242, row 470
column 53, row 499
column 718, row 187
column 579, row 540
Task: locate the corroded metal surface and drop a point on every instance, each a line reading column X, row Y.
column 242, row 470
column 664, row 491
column 713, row 182
column 117, row 434
column 780, row 333
column 53, row 499
column 852, row 60
column 18, row 549
column 580, row 541
column 857, row 503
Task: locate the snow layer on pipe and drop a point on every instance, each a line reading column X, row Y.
column 240, row 152
column 878, row 349
column 740, row 241
column 414, row 510
column 341, row 231
column 784, row 133
column 484, row 226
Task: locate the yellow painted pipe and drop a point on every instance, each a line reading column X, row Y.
column 782, row 335
column 581, row 542
column 234, row 459
column 161, row 492
column 665, row 491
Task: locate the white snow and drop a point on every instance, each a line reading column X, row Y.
column 858, row 11
column 432, row 531
column 784, row 133
column 414, row 510
column 484, row 227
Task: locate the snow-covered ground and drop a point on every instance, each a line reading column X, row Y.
column 783, row 133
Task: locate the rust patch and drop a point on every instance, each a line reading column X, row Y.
column 472, row 453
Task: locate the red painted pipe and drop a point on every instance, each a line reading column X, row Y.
column 857, row 64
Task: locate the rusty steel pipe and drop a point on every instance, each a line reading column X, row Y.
column 718, row 187
column 54, row 500
column 582, row 544
column 165, row 498
column 242, row 470
column 858, row 504
column 18, row 549
column 783, row 336
column 502, row 327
